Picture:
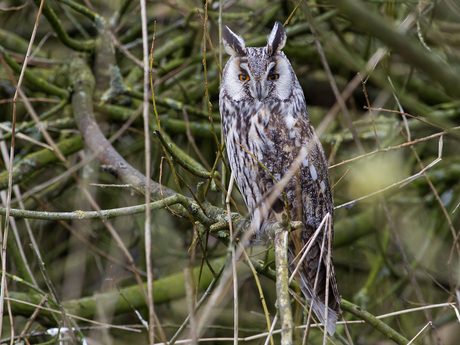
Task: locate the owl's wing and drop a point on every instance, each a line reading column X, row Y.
column 291, row 143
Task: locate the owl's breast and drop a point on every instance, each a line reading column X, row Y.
column 244, row 153
column 276, row 134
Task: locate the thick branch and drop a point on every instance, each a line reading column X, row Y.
column 282, row 286
column 82, row 80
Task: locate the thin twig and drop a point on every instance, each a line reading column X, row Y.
column 147, row 225
column 232, row 244
column 4, row 236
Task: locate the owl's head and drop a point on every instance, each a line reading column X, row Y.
column 257, row 74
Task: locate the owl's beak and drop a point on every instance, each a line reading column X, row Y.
column 259, row 91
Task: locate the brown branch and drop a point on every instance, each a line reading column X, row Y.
column 96, row 141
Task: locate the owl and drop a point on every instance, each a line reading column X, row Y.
column 268, row 135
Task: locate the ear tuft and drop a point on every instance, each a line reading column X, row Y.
column 277, row 39
column 234, row 44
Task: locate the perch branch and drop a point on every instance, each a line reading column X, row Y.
column 282, row 286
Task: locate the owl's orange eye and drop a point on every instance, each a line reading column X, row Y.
column 243, row 77
column 273, row 76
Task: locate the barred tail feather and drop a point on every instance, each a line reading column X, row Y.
column 312, row 277
column 319, row 308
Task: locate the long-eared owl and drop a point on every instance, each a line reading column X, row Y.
column 268, row 134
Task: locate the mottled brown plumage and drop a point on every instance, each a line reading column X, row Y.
column 266, row 127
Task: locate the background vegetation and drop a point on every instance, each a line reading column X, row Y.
column 382, row 81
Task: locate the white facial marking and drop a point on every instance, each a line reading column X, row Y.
column 284, row 83
column 231, row 83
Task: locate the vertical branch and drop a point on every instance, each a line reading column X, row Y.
column 147, row 230
column 232, row 246
column 4, row 236
column 282, row 286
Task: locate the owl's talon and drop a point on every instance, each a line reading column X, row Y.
column 295, row 225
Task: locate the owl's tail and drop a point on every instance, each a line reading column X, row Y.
column 319, row 307
column 312, row 277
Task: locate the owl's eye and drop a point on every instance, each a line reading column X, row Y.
column 273, row 76
column 243, row 77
